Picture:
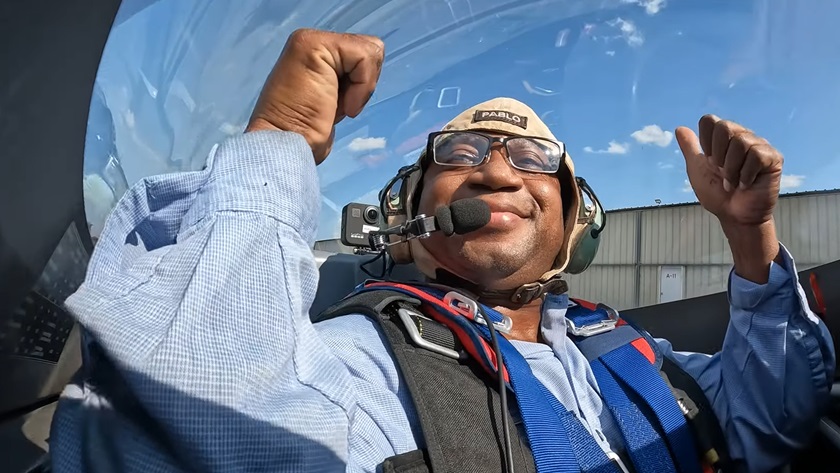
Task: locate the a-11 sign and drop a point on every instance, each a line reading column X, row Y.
column 671, row 283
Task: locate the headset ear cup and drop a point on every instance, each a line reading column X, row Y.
column 401, row 252
column 583, row 252
column 585, row 237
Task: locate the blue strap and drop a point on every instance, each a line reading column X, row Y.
column 590, row 458
column 582, row 316
column 645, row 446
column 619, row 367
column 549, row 441
column 631, row 367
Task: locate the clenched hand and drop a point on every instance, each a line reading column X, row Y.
column 735, row 174
column 320, row 78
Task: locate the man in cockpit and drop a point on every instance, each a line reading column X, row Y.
column 200, row 354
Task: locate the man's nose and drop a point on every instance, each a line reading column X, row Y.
column 497, row 173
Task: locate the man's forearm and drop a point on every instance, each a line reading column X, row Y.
column 753, row 249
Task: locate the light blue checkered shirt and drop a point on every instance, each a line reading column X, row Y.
column 198, row 295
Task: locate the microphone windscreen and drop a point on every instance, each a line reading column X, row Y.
column 443, row 218
column 468, row 215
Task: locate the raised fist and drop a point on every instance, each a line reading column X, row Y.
column 320, row 78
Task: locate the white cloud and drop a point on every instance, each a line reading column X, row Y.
column 791, row 181
column 652, row 7
column 653, row 134
column 687, row 186
column 610, row 53
column 367, row 144
column 629, row 31
column 664, row 165
column 618, row 148
column 613, row 148
column 677, row 151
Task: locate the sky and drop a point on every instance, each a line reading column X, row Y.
column 612, row 81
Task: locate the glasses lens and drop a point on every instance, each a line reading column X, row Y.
column 535, row 154
column 460, row 148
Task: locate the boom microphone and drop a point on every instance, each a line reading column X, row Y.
column 462, row 216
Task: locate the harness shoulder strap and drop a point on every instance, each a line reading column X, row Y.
column 442, row 387
column 369, row 303
column 709, row 441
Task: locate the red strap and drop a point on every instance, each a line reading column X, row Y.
column 644, row 348
column 818, row 296
column 459, row 332
column 641, row 344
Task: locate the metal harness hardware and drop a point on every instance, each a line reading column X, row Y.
column 407, row 318
column 595, row 328
column 469, row 308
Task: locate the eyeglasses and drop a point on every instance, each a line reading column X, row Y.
column 469, row 148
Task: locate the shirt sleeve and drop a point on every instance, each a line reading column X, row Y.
column 199, row 354
column 769, row 385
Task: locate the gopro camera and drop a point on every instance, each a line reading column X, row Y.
column 357, row 221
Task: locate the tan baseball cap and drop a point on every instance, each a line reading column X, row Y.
column 504, row 115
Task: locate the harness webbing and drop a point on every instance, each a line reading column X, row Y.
column 625, row 361
column 548, row 425
column 625, row 368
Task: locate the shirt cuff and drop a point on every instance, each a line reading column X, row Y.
column 270, row 172
column 777, row 296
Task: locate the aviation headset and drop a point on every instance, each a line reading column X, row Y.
column 583, row 223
